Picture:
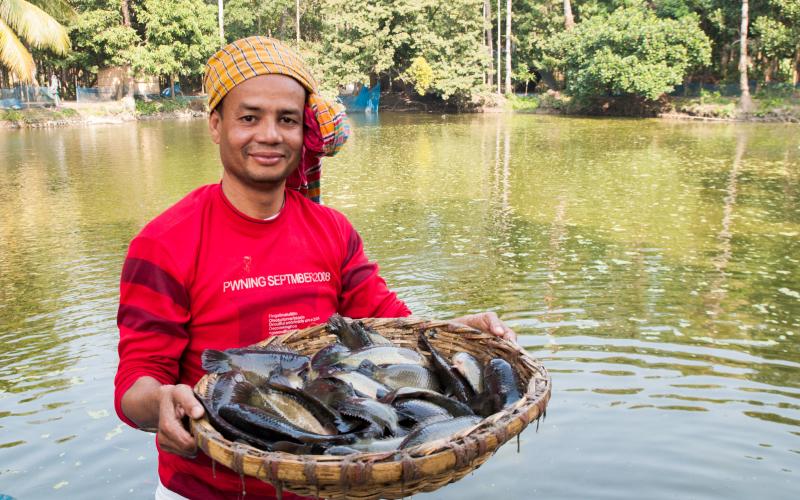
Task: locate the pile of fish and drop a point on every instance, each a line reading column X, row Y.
column 359, row 394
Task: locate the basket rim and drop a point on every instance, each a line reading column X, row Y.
column 465, row 447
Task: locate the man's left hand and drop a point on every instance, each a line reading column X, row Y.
column 488, row 322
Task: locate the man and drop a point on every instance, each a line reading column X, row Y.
column 234, row 263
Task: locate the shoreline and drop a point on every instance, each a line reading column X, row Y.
column 115, row 113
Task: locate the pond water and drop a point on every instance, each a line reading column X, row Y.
column 653, row 266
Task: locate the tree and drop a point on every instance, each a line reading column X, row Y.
column 780, row 35
column 508, row 46
column 180, row 36
column 746, row 103
column 26, row 20
column 569, row 20
column 630, row 52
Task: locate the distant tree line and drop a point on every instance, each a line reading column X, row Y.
column 452, row 49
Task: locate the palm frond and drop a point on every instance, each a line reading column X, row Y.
column 14, row 55
column 34, row 25
column 61, row 10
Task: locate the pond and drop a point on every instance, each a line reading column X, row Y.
column 653, row 266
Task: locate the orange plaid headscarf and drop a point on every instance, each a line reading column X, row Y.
column 325, row 123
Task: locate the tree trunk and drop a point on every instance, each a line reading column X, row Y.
column 499, row 49
column 508, row 46
column 126, row 13
column 221, row 19
column 487, row 27
column 172, row 86
column 569, row 20
column 297, row 21
column 796, row 69
column 745, row 103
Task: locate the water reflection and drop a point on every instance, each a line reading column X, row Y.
column 651, row 265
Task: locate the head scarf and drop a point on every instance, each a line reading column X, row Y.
column 325, row 126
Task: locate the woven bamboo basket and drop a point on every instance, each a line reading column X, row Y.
column 396, row 474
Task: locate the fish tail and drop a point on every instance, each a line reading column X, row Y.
column 215, row 361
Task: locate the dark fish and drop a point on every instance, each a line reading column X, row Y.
column 329, row 390
column 375, row 338
column 363, row 384
column 226, row 385
column 257, row 365
column 425, row 432
column 330, row 419
column 376, row 413
column 328, row 355
column 290, row 408
column 354, row 337
column 417, row 410
column 500, row 379
column 450, row 379
column 455, row 408
column 470, row 369
column 401, row 375
column 264, row 424
column 231, row 432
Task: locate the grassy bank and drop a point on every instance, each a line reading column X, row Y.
column 767, row 107
column 74, row 113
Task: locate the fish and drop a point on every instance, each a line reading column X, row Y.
column 417, row 410
column 449, row 378
column 352, row 338
column 454, row 407
column 401, row 375
column 426, row 432
column 328, row 356
column 470, row 369
column 383, row 355
column 290, row 409
column 500, row 379
column 360, row 382
column 264, row 424
column 374, row 412
column 367, row 446
column 230, row 431
column 257, row 365
column 329, row 390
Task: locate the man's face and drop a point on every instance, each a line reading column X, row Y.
column 260, row 130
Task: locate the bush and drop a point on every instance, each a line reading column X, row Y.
column 630, row 52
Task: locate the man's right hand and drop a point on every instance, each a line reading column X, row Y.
column 175, row 403
column 162, row 408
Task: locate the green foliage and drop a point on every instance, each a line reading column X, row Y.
column 146, row 108
column 419, row 74
column 179, row 36
column 99, row 40
column 519, row 103
column 630, row 52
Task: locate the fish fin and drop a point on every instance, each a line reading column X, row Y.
column 215, row 361
column 242, row 392
column 367, row 367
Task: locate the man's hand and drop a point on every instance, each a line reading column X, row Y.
column 176, row 402
column 161, row 408
column 488, row 322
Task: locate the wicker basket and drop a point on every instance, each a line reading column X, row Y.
column 396, row 474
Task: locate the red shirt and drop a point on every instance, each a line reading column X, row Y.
column 203, row 275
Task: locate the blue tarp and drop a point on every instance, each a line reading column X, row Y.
column 367, row 100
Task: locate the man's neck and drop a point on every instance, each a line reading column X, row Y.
column 258, row 204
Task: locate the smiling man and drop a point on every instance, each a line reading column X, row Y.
column 236, row 262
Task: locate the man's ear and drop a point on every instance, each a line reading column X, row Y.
column 214, row 125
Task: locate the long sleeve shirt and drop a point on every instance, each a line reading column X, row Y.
column 203, row 275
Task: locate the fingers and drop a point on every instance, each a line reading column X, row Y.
column 488, row 322
column 177, row 402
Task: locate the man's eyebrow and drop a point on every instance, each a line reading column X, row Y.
column 256, row 108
